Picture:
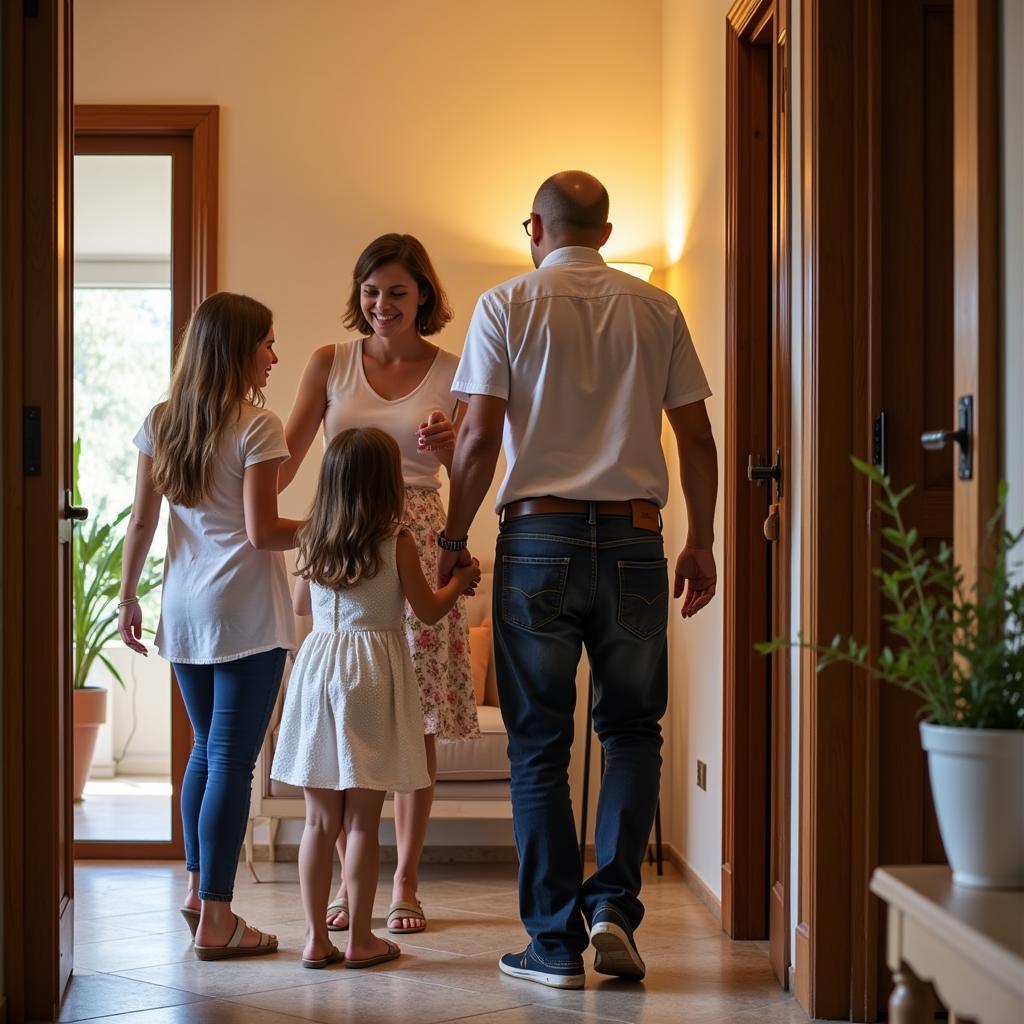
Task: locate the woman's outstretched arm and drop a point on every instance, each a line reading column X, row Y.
column 307, row 412
column 138, row 540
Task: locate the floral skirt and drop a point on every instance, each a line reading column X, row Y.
column 440, row 653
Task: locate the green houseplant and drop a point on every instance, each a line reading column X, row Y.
column 961, row 651
column 97, row 547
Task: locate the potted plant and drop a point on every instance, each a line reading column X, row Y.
column 97, row 547
column 961, row 652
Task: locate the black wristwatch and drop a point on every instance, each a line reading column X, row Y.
column 451, row 545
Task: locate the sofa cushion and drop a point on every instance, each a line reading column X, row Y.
column 482, row 759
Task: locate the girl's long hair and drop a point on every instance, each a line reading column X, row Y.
column 213, row 375
column 359, row 501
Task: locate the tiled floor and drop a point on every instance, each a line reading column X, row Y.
column 126, row 808
column 134, row 963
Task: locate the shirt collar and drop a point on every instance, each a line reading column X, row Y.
column 571, row 254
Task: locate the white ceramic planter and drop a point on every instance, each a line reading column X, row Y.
column 977, row 778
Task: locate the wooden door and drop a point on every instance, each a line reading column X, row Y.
column 38, row 911
column 755, row 827
column 976, row 105
column 912, row 385
column 900, row 193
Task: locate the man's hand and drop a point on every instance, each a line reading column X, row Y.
column 697, row 567
column 447, row 561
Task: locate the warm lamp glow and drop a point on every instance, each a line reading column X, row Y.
column 641, row 270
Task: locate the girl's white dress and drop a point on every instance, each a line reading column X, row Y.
column 352, row 716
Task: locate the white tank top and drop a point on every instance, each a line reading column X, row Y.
column 351, row 402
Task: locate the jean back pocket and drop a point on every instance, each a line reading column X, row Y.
column 532, row 590
column 643, row 597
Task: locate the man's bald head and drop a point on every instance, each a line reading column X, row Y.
column 573, row 206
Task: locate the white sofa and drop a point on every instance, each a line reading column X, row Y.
column 472, row 775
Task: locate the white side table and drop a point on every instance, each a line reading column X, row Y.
column 969, row 943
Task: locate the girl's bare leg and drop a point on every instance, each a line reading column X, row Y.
column 324, row 814
column 362, row 863
column 340, row 919
column 412, row 816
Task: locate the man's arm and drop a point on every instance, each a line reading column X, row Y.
column 698, row 471
column 476, row 455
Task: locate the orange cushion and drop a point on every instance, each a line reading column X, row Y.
column 480, row 657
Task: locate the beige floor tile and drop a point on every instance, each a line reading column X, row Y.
column 379, row 998
column 459, row 931
column 229, row 978
column 124, row 954
column 536, row 1013
column 105, row 929
column 206, row 1012
column 96, row 995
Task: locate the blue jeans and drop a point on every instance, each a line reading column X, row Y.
column 229, row 705
column 563, row 582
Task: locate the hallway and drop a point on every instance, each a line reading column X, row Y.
column 134, row 965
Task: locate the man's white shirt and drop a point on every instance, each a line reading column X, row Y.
column 587, row 358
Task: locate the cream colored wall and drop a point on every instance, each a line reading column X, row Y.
column 342, row 120
column 693, row 58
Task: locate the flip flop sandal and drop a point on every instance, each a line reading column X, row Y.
column 191, row 919
column 333, row 957
column 393, row 953
column 334, row 908
column 405, row 908
column 233, row 947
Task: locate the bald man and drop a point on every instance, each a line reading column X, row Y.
column 573, row 364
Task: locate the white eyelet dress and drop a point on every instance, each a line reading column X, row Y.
column 352, row 715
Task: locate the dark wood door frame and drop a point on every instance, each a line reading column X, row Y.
column 38, row 883
column 755, row 826
column 837, row 932
column 189, row 135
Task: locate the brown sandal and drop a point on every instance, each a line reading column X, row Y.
column 233, row 947
column 393, row 953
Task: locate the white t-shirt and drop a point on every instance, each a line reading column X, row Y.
column 587, row 358
column 222, row 599
column 352, row 402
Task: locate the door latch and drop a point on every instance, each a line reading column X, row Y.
column 760, row 475
column 936, row 440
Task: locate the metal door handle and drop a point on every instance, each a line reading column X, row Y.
column 76, row 513
column 936, row 440
column 758, row 474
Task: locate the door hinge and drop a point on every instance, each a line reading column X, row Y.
column 880, row 443
column 32, row 440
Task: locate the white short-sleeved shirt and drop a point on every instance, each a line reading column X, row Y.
column 352, row 402
column 223, row 599
column 587, row 358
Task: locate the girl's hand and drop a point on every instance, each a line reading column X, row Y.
column 437, row 436
column 129, row 625
column 467, row 576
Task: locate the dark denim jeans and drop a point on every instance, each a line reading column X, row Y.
column 563, row 582
column 229, row 705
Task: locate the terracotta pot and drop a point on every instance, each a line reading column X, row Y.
column 89, row 708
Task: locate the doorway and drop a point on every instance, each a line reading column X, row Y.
column 755, row 832
column 145, row 211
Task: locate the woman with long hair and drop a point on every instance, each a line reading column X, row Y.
column 391, row 377
column 214, row 453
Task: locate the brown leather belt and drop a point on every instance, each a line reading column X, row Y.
column 645, row 514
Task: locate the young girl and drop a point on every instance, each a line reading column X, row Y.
column 392, row 376
column 213, row 452
column 352, row 727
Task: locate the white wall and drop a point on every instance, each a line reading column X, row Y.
column 693, row 59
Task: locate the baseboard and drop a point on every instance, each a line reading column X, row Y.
column 288, row 852
column 694, row 881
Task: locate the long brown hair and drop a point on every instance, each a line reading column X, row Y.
column 408, row 252
column 213, row 375
column 359, row 500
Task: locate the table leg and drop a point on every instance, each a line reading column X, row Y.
column 911, row 999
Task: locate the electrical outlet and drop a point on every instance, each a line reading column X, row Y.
column 702, row 775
